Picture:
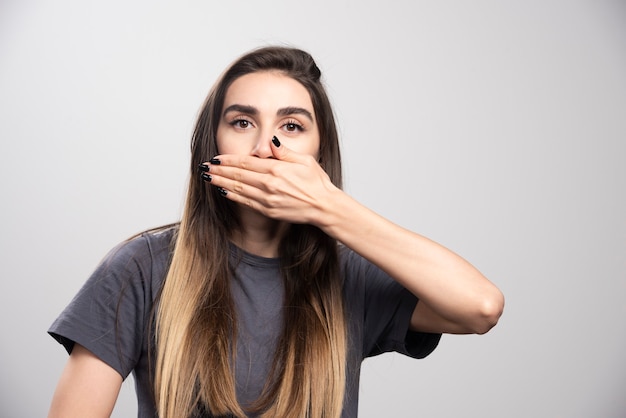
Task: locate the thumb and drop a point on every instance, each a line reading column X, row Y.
column 281, row 152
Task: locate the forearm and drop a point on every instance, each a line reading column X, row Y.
column 449, row 285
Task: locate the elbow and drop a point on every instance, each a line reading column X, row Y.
column 489, row 312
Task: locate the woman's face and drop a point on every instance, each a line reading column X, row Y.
column 258, row 106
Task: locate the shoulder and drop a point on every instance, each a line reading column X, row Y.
column 153, row 242
column 140, row 262
column 121, row 290
column 144, row 248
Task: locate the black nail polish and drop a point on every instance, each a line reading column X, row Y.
column 206, row 177
column 275, row 141
column 203, row 167
column 215, row 161
column 223, row 192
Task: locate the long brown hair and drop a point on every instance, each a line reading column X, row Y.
column 194, row 361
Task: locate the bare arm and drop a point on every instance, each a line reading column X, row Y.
column 454, row 296
column 88, row 387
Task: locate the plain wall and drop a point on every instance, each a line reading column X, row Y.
column 497, row 128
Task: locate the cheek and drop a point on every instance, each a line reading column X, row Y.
column 307, row 144
column 223, row 142
column 232, row 145
column 316, row 153
column 218, row 143
column 315, row 148
column 224, row 146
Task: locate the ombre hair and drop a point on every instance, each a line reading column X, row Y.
column 195, row 362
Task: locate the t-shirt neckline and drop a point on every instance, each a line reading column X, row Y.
column 252, row 259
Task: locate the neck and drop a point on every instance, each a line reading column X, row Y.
column 258, row 234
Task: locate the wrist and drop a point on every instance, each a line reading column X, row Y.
column 332, row 211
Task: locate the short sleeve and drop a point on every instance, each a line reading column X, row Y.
column 386, row 308
column 109, row 314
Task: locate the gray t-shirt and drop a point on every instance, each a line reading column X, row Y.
column 111, row 315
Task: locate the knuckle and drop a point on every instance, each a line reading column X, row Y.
column 276, row 170
column 271, row 212
column 273, row 186
column 244, row 162
column 273, row 201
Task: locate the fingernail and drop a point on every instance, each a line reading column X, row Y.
column 223, row 192
column 215, row 161
column 206, row 177
column 275, row 141
column 203, row 167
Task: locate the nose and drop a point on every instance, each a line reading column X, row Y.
column 262, row 147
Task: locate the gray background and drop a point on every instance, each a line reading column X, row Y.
column 496, row 128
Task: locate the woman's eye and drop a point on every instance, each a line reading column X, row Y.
column 292, row 127
column 241, row 123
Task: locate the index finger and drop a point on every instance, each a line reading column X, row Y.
column 244, row 162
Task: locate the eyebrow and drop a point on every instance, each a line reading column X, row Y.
column 292, row 110
column 283, row 111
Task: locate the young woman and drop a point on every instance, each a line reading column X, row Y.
column 275, row 285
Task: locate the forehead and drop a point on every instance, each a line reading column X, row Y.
column 268, row 89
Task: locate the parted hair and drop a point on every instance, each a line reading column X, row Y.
column 196, row 321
